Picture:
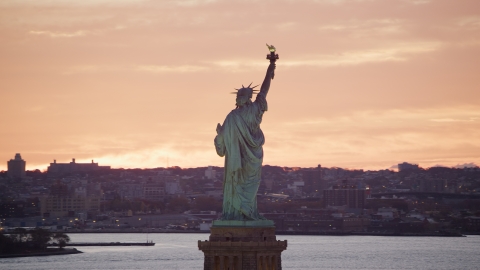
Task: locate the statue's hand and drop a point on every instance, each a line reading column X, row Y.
column 219, row 128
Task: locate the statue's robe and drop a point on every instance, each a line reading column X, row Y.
column 241, row 141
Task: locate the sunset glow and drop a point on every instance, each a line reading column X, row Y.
column 142, row 84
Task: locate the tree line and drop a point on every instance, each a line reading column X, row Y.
column 22, row 240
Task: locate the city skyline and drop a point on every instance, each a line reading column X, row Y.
column 93, row 163
column 139, row 84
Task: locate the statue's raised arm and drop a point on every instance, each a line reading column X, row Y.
column 268, row 77
column 270, row 70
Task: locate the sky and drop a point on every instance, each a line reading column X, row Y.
column 360, row 84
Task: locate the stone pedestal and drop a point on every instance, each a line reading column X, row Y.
column 242, row 248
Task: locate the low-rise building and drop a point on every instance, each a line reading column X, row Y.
column 53, row 206
column 73, row 167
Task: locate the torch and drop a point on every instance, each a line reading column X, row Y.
column 272, row 56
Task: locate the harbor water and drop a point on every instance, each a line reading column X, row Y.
column 180, row 251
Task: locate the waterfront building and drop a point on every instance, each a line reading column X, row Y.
column 345, row 195
column 53, row 206
column 472, row 224
column 387, row 213
column 61, row 202
column 322, row 224
column 16, row 167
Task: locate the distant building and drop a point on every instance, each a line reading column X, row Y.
column 297, row 188
column 433, row 185
column 63, row 203
column 313, row 180
column 130, row 191
column 73, row 167
column 319, row 224
column 59, row 190
column 387, row 213
column 16, row 167
column 69, row 206
column 345, row 195
column 154, row 191
column 407, row 167
column 173, row 187
column 210, row 173
column 268, row 183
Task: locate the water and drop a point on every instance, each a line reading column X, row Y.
column 180, row 251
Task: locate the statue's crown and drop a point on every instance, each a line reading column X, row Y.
column 246, row 91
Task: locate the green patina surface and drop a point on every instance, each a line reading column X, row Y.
column 241, row 223
column 241, row 140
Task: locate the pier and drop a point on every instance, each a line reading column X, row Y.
column 109, row 244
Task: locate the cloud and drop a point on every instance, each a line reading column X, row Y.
column 466, row 165
column 444, row 120
column 398, row 52
column 394, row 53
column 338, row 2
column 287, row 26
column 79, row 33
column 397, row 117
column 74, row 3
column 192, row 3
column 418, row 2
column 82, row 69
column 171, row 69
column 103, row 3
column 384, row 26
column 377, row 139
column 472, row 22
column 139, row 68
column 235, row 65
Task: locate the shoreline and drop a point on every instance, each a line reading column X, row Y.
column 108, row 244
column 321, row 233
column 51, row 252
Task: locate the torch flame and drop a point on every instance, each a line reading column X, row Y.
column 271, row 48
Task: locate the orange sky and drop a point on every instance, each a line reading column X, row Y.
column 134, row 83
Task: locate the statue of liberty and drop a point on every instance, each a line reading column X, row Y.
column 240, row 140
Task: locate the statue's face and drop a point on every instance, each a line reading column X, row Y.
column 241, row 100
